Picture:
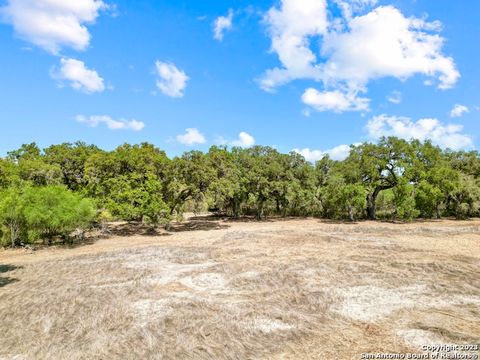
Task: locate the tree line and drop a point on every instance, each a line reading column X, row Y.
column 47, row 194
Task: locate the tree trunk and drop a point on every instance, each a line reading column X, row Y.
column 236, row 209
column 168, row 226
column 350, row 213
column 371, row 206
column 13, row 235
column 14, row 232
column 260, row 210
column 372, row 201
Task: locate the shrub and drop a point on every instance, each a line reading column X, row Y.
column 55, row 211
column 12, row 219
column 404, row 199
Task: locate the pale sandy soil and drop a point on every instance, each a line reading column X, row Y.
column 283, row 289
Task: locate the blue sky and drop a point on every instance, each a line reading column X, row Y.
column 130, row 71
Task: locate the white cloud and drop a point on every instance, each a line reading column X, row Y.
column 336, row 101
column 339, row 153
column 222, row 24
column 458, row 110
column 172, row 81
column 112, row 124
column 80, row 77
column 355, row 49
column 191, row 137
column 244, row 140
column 444, row 135
column 290, row 29
column 395, row 97
column 385, row 43
column 53, row 24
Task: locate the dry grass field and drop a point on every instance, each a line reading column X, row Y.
column 215, row 289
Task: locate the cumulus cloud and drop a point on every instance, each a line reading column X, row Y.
column 458, row 110
column 191, row 137
column 53, row 24
column 222, row 24
column 355, row 48
column 171, row 80
column 339, row 153
column 444, row 135
column 79, row 76
column 244, row 140
column 290, row 27
column 395, row 97
column 336, row 101
column 112, row 124
column 385, row 43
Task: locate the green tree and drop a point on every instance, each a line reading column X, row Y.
column 464, row 200
column 71, row 160
column 378, row 167
column 343, row 200
column 55, row 211
column 140, row 183
column 30, row 166
column 301, row 187
column 227, row 190
column 38, row 172
column 188, row 177
column 262, row 177
column 25, row 152
column 404, row 199
column 12, row 217
column 8, row 173
column 135, row 198
column 429, row 199
column 130, row 182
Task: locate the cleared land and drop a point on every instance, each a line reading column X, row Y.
column 284, row 289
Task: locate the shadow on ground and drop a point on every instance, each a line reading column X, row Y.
column 137, row 228
column 133, row 229
column 7, row 280
column 196, row 225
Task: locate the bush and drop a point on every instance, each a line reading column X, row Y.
column 428, row 200
column 12, row 219
column 28, row 214
column 404, row 198
column 342, row 200
column 55, row 211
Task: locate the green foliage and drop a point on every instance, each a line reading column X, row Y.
column 130, row 182
column 39, row 173
column 379, row 167
column 42, row 192
column 12, row 219
column 429, row 199
column 31, row 213
column 55, row 211
column 187, row 177
column 404, row 199
column 71, row 160
column 227, row 190
column 26, row 152
column 386, row 204
column 342, row 200
column 465, row 198
column 8, row 173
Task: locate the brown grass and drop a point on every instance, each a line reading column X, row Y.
column 213, row 289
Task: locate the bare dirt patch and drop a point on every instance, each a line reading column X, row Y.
column 293, row 289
